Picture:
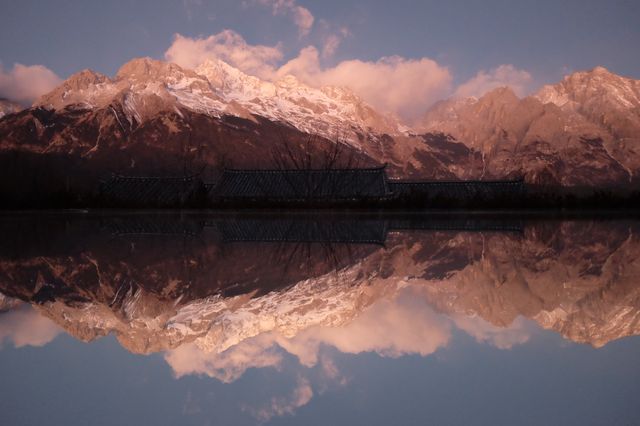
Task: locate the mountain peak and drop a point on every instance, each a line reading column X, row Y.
column 314, row 110
column 218, row 65
column 600, row 70
column 288, row 80
column 598, row 86
column 137, row 66
column 597, row 74
column 502, row 94
column 76, row 89
column 83, row 79
column 341, row 93
column 148, row 69
column 223, row 76
column 213, row 66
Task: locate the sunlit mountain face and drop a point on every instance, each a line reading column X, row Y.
column 305, row 319
column 157, row 118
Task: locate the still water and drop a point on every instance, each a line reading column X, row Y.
column 240, row 319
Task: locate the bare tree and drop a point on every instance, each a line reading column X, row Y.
column 313, row 165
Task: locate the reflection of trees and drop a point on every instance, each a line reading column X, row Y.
column 331, row 257
column 304, row 246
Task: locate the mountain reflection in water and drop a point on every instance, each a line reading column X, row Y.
column 219, row 294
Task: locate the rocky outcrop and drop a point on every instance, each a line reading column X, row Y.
column 8, row 107
column 579, row 132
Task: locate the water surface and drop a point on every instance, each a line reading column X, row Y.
column 169, row 318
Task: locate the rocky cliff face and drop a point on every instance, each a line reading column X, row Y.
column 558, row 136
column 601, row 97
column 8, row 107
column 575, row 278
column 609, row 102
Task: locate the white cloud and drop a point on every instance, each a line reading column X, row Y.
column 227, row 366
column 500, row 337
column 330, row 45
column 391, row 328
column 301, row 16
column 24, row 326
column 398, row 85
column 227, row 46
column 281, row 405
column 402, row 86
column 504, row 75
column 331, row 371
column 305, row 66
column 25, row 83
column 403, row 325
column 332, row 39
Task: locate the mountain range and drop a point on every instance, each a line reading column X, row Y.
column 158, row 292
column 154, row 117
column 176, row 286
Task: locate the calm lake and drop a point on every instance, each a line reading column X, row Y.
column 319, row 319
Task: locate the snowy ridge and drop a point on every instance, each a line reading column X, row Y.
column 215, row 323
column 146, row 87
column 329, row 111
column 216, row 88
column 325, row 301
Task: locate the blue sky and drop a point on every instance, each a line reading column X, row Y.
column 545, row 38
column 545, row 380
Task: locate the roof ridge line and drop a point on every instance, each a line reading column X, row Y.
column 358, row 169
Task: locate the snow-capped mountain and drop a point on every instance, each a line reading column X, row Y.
column 155, row 117
column 328, row 111
column 146, row 87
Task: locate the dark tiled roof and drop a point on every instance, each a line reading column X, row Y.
column 149, row 191
column 339, row 184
